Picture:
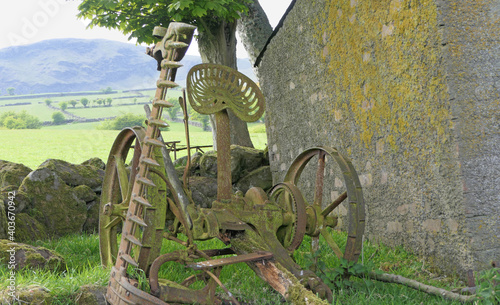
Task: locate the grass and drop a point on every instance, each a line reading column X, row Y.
column 31, row 147
column 36, row 98
column 42, row 112
column 104, row 112
column 81, row 253
column 83, row 267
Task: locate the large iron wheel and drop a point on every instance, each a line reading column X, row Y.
column 320, row 218
column 116, row 191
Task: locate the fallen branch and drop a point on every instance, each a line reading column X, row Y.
column 398, row 279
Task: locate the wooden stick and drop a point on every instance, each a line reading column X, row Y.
column 398, row 279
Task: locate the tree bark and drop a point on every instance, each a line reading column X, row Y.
column 217, row 45
column 254, row 30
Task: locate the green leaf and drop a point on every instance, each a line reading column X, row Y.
column 199, row 12
column 211, row 5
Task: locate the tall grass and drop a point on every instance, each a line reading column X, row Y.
column 81, row 253
column 83, row 268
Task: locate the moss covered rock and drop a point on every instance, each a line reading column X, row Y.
column 32, row 257
column 261, row 177
column 95, row 162
column 28, row 228
column 91, row 224
column 21, row 201
column 12, row 174
column 57, row 205
column 76, row 174
column 35, row 294
column 203, row 190
column 91, row 295
column 85, row 193
column 244, row 160
column 3, row 221
column 208, row 164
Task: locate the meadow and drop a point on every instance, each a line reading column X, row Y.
column 77, row 142
column 81, row 253
column 31, row 147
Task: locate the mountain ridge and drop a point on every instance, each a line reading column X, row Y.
column 72, row 65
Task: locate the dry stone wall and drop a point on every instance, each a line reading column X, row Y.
column 409, row 91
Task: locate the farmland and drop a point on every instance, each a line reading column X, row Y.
column 76, row 142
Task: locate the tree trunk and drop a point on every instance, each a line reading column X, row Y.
column 217, row 45
column 254, row 30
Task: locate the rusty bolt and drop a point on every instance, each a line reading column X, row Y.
column 470, row 278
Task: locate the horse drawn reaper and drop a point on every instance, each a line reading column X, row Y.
column 149, row 205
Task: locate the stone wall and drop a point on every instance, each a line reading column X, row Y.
column 409, row 91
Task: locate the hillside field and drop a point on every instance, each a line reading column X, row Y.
column 32, row 147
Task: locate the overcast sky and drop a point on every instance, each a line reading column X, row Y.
column 29, row 21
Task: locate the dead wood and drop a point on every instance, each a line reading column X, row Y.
column 398, row 279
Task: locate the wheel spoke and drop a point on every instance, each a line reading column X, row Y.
column 333, row 245
column 320, row 176
column 115, row 221
column 334, row 204
column 122, row 178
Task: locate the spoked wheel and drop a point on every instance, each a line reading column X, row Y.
column 290, row 199
column 116, row 192
column 317, row 165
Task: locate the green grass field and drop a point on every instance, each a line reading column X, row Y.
column 32, row 147
column 77, row 142
column 103, row 112
column 81, row 253
column 41, row 111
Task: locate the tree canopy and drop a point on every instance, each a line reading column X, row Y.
column 215, row 20
column 138, row 17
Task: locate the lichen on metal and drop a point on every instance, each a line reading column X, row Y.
column 212, row 88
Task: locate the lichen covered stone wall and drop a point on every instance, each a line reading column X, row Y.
column 406, row 89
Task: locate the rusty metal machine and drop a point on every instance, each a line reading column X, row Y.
column 149, row 205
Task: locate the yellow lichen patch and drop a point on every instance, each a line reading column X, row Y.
column 385, row 73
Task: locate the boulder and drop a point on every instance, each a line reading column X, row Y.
column 28, row 228
column 76, row 174
column 3, row 221
column 261, row 177
column 244, row 160
column 195, row 160
column 20, row 199
column 34, row 294
column 12, row 174
column 56, row 205
column 194, row 168
column 27, row 256
column 85, row 193
column 95, row 162
column 203, row 190
column 91, row 224
column 91, row 295
column 182, row 161
column 208, row 164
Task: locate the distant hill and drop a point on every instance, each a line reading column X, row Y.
column 71, row 65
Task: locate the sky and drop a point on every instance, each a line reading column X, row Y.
column 29, row 21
